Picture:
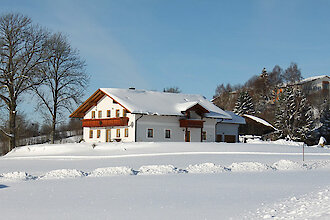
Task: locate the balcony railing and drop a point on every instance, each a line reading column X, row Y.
column 106, row 122
column 186, row 123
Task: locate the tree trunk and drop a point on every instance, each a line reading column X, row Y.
column 52, row 135
column 12, row 127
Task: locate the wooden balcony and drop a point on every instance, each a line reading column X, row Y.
column 186, row 123
column 106, row 122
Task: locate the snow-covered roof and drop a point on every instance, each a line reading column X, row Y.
column 260, row 120
column 236, row 119
column 162, row 103
column 309, row 79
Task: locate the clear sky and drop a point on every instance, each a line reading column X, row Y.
column 192, row 44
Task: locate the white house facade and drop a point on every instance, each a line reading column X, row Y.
column 131, row 115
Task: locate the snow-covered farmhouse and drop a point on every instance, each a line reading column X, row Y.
column 131, row 115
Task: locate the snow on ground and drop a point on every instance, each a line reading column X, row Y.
column 164, row 181
column 314, row 205
column 205, row 168
column 249, row 167
column 62, row 173
column 158, row 170
column 279, row 142
column 111, row 171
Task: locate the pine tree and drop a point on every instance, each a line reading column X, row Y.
column 294, row 116
column 325, row 120
column 238, row 104
column 284, row 113
column 304, row 118
column 244, row 104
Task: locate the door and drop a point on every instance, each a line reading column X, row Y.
column 108, row 135
column 187, row 138
column 230, row 138
column 218, row 138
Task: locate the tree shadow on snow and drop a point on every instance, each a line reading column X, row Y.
column 3, row 186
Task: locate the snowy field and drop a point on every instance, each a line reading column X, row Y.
column 257, row 180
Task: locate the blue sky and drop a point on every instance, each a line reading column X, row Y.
column 195, row 45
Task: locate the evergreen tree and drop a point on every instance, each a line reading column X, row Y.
column 304, row 118
column 325, row 120
column 294, row 116
column 284, row 111
column 244, row 104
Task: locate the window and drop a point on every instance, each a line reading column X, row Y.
column 100, row 114
column 98, row 133
column 204, row 136
column 108, row 113
column 150, row 133
column 90, row 133
column 117, row 113
column 126, row 132
column 118, row 132
column 167, row 133
column 124, row 112
column 93, row 114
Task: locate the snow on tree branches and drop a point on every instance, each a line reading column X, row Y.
column 244, row 104
column 294, row 116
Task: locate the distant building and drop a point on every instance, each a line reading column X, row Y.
column 315, row 84
column 256, row 126
column 131, row 115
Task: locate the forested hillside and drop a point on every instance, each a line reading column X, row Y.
column 275, row 96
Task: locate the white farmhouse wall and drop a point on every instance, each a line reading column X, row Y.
column 209, row 127
column 161, row 123
column 104, row 104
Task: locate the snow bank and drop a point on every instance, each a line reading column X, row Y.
column 317, row 164
column 15, row 176
column 205, row 168
column 287, row 165
column 249, row 167
column 112, row 171
column 62, row 174
column 285, row 142
column 282, row 165
column 158, row 170
column 277, row 142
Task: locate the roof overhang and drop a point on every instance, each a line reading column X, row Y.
column 90, row 102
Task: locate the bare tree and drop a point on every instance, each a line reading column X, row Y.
column 21, row 53
column 65, row 80
column 276, row 76
column 173, row 89
column 292, row 74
